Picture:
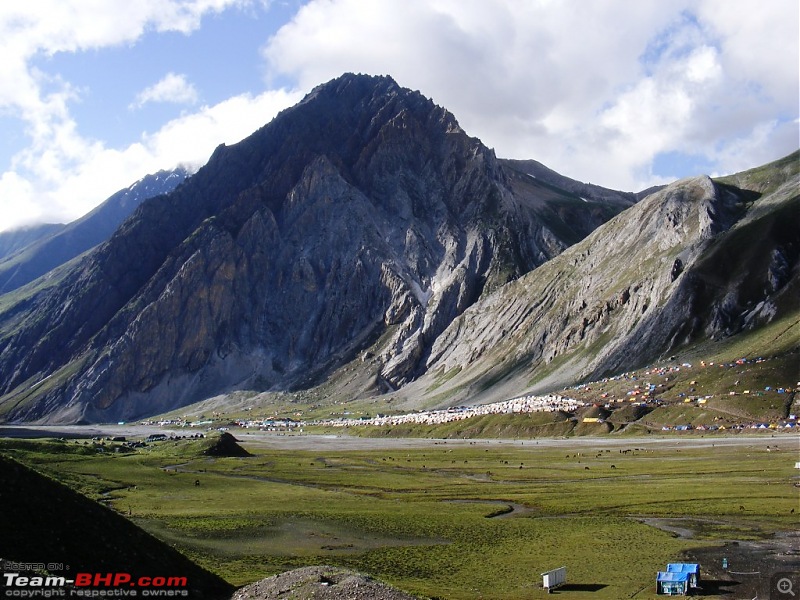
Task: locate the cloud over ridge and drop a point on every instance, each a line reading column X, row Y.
column 174, row 88
column 622, row 94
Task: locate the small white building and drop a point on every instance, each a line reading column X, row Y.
column 554, row 578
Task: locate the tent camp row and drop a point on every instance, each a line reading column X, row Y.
column 678, row 580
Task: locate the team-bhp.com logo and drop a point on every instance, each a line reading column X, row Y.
column 92, row 585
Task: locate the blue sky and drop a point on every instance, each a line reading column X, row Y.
column 624, row 94
column 220, row 59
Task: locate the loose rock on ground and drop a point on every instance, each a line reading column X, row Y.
column 320, row 583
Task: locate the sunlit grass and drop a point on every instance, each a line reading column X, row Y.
column 391, row 512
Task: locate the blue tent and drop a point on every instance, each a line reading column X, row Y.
column 672, row 584
column 693, row 569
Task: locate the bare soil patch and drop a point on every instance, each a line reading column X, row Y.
column 739, row 569
column 753, row 567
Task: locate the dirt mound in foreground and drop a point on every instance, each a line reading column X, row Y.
column 226, row 446
column 320, row 583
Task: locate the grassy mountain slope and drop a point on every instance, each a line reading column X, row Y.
column 695, row 263
column 14, row 240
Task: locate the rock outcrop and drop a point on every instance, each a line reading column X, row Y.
column 320, row 583
column 50, row 518
column 226, row 445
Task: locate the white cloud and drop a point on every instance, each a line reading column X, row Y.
column 62, row 174
column 191, row 138
column 17, row 202
column 51, row 26
column 596, row 90
column 173, row 88
column 188, row 140
column 759, row 43
column 46, row 27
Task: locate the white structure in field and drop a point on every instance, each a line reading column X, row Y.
column 554, row 578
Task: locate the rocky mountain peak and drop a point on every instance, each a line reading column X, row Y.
column 360, row 212
column 361, row 222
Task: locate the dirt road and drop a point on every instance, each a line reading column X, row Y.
column 266, row 439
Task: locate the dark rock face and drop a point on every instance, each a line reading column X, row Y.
column 364, row 213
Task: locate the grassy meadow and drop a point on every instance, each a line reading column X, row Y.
column 446, row 520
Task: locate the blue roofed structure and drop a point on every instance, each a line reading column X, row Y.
column 672, row 583
column 693, row 569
